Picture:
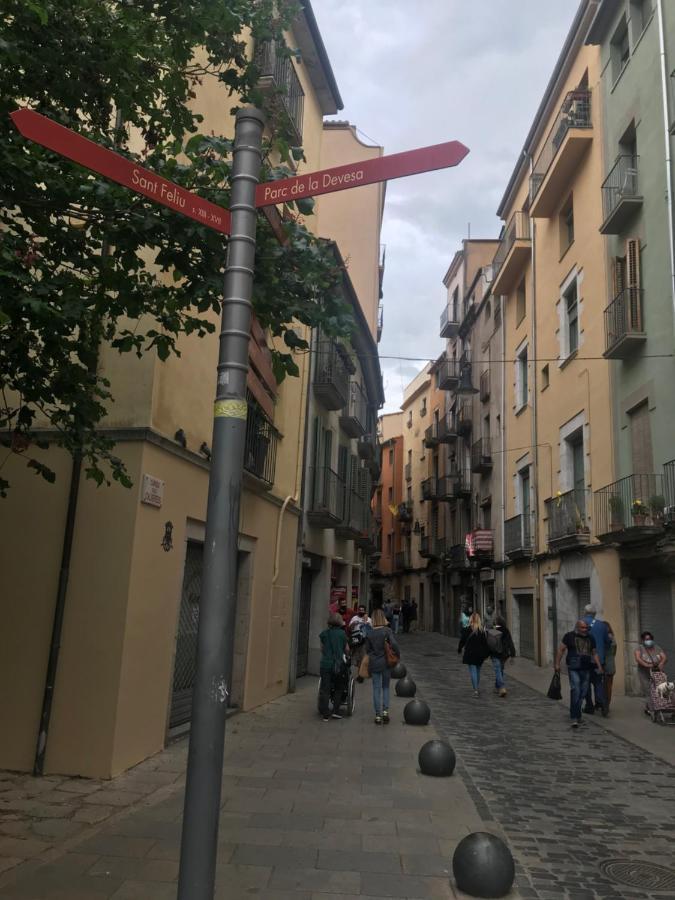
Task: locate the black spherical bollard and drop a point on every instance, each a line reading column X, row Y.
column 406, row 687
column 399, row 671
column 416, row 712
column 437, row 758
column 483, row 866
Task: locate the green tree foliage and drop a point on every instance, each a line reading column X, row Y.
column 74, row 247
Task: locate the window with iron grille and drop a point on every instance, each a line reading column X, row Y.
column 260, row 453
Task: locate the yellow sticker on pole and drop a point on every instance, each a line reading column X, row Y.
column 230, row 409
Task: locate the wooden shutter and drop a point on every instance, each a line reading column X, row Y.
column 633, row 283
column 641, row 440
column 260, row 379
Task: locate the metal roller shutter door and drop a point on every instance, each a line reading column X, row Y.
column 656, row 614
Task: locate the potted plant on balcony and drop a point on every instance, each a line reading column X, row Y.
column 657, row 504
column 639, row 511
column 615, row 504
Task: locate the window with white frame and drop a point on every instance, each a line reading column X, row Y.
column 569, row 318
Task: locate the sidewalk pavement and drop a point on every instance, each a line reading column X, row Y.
column 329, row 811
column 626, row 718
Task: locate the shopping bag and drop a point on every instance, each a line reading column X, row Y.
column 554, row 692
column 364, row 668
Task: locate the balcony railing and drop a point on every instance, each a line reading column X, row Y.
column 456, row 556
column 431, row 547
column 517, row 540
column 512, row 254
column 405, row 511
column 620, row 195
column 569, row 520
column 279, row 81
column 327, row 502
column 464, row 412
column 354, row 419
column 407, row 471
column 449, row 321
column 624, row 324
column 448, row 374
column 447, row 429
column 367, row 446
column 485, row 386
column 331, row 378
column 402, row 561
column 262, row 438
column 480, row 544
column 481, row 456
column 574, row 114
column 430, row 488
column 431, row 435
column 445, row 488
column 630, row 509
column 669, row 487
column 461, row 482
column 353, row 515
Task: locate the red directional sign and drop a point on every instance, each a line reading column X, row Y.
column 412, row 162
column 124, row 171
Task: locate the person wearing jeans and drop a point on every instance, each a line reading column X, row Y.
column 474, row 644
column 501, row 647
column 376, row 638
column 582, row 657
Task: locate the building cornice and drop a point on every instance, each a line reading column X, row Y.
column 315, row 57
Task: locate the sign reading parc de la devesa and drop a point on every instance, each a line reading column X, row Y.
column 117, row 168
column 386, row 168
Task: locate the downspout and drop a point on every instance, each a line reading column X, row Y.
column 66, row 555
column 502, row 526
column 666, row 128
column 535, row 441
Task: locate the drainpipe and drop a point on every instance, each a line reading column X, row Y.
column 502, row 526
column 666, row 128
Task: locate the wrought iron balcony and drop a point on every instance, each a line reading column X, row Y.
column 481, row 456
column 447, row 429
column 485, row 386
column 367, row 446
column 569, row 520
column 405, row 511
column 669, row 486
column 431, row 547
column 354, row 419
column 430, row 488
column 280, row 84
column 402, row 561
column 624, row 325
column 480, row 545
column 464, row 413
column 407, row 471
column 331, row 377
column 449, row 321
column 461, row 482
column 260, row 452
column 448, row 374
column 621, row 196
column 566, row 143
column 517, row 539
column 630, row 509
column 446, row 488
column 431, row 435
column 456, row 557
column 327, row 501
column 513, row 252
column 352, row 515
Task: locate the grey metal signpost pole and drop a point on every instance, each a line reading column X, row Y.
column 218, row 599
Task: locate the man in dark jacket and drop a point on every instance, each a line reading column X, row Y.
column 334, row 646
column 582, row 656
column 501, row 647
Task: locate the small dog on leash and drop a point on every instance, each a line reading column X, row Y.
column 665, row 690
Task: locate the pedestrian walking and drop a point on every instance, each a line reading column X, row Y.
column 582, row 657
column 464, row 617
column 376, row 638
column 334, row 649
column 358, row 628
column 345, row 611
column 474, row 644
column 489, row 620
column 602, row 635
column 413, row 616
column 649, row 658
column 405, row 616
column 388, row 610
column 501, row 647
column 396, row 617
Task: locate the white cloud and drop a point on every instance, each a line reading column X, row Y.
column 417, row 75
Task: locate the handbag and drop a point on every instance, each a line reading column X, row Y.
column 364, row 667
column 390, row 655
column 554, row 692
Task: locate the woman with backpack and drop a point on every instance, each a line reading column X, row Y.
column 474, row 644
column 377, row 638
column 501, row 647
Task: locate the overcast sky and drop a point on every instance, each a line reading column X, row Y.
column 411, row 75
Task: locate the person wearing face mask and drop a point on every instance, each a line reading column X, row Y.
column 582, row 657
column 649, row 657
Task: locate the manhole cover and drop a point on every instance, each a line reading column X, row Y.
column 645, row 875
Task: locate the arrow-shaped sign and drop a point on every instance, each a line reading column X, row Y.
column 386, row 168
column 124, row 171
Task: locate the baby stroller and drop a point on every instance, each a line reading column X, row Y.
column 660, row 705
column 343, row 697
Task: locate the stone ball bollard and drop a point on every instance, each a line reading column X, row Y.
column 406, row 687
column 399, row 671
column 483, row 866
column 416, row 712
column 437, row 758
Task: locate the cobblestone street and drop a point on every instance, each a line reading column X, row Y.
column 338, row 810
column 570, row 803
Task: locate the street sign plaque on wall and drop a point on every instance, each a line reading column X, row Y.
column 340, row 178
column 117, row 168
